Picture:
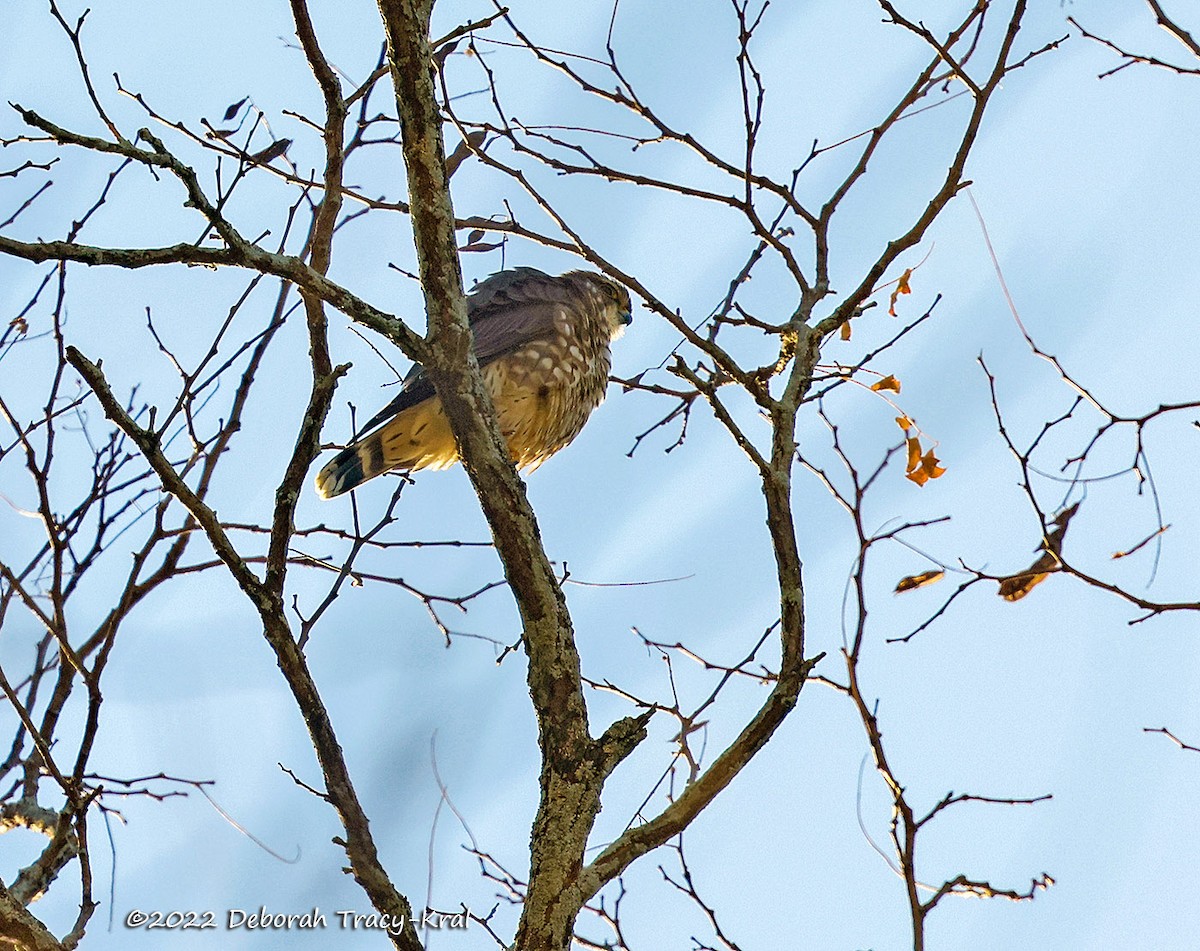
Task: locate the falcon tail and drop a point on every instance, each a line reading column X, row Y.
column 418, row 438
column 344, row 472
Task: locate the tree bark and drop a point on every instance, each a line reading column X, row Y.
column 574, row 765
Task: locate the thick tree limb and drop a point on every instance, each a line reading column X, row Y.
column 573, row 764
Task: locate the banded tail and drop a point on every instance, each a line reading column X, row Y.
column 417, row 438
column 345, row 471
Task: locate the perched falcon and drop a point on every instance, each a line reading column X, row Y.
column 542, row 346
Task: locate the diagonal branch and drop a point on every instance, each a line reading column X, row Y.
column 359, row 844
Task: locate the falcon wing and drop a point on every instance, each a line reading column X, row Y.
column 505, row 312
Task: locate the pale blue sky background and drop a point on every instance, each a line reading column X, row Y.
column 1090, row 194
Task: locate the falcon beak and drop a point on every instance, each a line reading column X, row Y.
column 624, row 319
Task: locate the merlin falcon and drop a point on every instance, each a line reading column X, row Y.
column 542, row 343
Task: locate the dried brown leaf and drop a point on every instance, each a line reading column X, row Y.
column 912, row 582
column 902, row 287
column 234, row 109
column 272, row 151
column 464, row 150
column 1015, row 587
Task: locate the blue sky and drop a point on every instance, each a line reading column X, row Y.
column 1089, row 194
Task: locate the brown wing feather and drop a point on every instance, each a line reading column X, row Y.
column 505, row 312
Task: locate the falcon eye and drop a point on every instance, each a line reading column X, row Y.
column 616, row 294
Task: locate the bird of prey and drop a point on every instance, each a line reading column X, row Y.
column 542, row 343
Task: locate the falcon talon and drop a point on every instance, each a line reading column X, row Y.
column 542, row 344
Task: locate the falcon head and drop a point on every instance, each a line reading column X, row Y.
column 618, row 308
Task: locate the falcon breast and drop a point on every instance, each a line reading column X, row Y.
column 542, row 344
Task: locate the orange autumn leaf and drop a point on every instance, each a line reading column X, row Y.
column 918, row 476
column 902, row 287
column 926, row 467
column 912, row 582
column 930, row 462
column 845, row 331
column 914, row 454
column 889, row 382
column 919, row 467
